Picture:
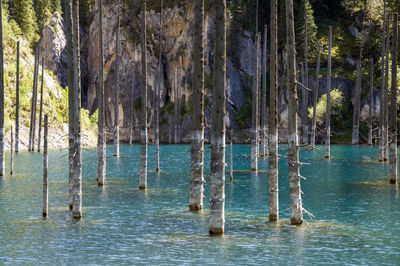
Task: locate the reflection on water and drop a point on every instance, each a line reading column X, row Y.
column 357, row 212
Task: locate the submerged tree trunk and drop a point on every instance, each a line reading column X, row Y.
column 116, row 89
column 101, row 145
column 356, row 104
column 328, row 101
column 381, row 98
column 305, row 95
column 371, row 100
column 255, row 113
column 385, row 94
column 77, row 164
column 41, row 108
column 293, row 152
column 45, row 210
column 176, row 105
column 17, row 105
column 33, row 97
column 143, row 135
column 231, row 155
column 264, row 118
column 132, row 120
column 217, row 163
column 12, row 152
column 197, row 147
column 393, row 105
column 158, row 95
column 315, row 98
column 273, row 116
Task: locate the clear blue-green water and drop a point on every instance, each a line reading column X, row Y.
column 357, row 212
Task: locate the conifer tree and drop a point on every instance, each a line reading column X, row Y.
column 23, row 13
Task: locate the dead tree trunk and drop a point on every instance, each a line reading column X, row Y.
column 381, row 98
column 305, row 95
column 385, row 94
column 264, row 118
column 176, row 105
column 45, row 210
column 197, row 148
column 33, row 97
column 273, row 119
column 231, row 155
column 315, row 98
column 2, row 163
column 116, row 89
column 41, row 108
column 143, row 135
column 217, row 163
column 371, row 100
column 356, row 104
column 12, row 152
column 293, row 151
column 131, row 123
column 328, row 101
column 101, row 145
column 17, row 105
column 255, row 114
column 158, row 95
column 35, row 102
column 393, row 105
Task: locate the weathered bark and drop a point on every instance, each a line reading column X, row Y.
column 385, row 94
column 217, row 163
column 264, row 118
column 231, row 155
column 197, row 147
column 33, row 97
column 315, row 98
column 273, row 119
column 35, row 102
column 381, row 98
column 357, row 102
column 143, row 135
column 371, row 100
column 328, row 101
column 293, row 151
column 41, row 108
column 393, row 105
column 12, row 152
column 158, row 95
column 132, row 120
column 116, row 89
column 255, row 113
column 45, row 210
column 176, row 105
column 101, row 145
column 17, row 105
column 305, row 80
column 2, row 163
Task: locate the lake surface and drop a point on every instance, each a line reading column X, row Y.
column 357, row 212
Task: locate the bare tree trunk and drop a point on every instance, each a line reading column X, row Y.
column 68, row 26
column 305, row 95
column 33, row 97
column 371, row 100
column 231, row 155
column 17, row 105
column 77, row 164
column 382, row 102
column 45, row 170
column 35, row 102
column 41, row 108
column 393, row 105
column 131, row 123
column 315, row 98
column 143, row 135
column 217, row 163
column 101, row 145
column 158, row 95
column 2, row 163
column 293, row 159
column 116, row 89
column 197, row 147
column 176, row 105
column 264, row 119
column 328, row 101
column 357, row 99
column 255, row 114
column 385, row 94
column 12, row 152
column 273, row 120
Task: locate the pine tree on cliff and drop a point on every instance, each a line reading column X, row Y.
column 393, row 105
column 217, row 162
column 2, row 163
column 293, row 150
column 197, row 149
column 101, row 145
column 273, row 116
column 143, row 135
column 328, row 101
column 22, row 12
column 116, row 88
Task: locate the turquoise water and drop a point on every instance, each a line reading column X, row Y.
column 357, row 212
